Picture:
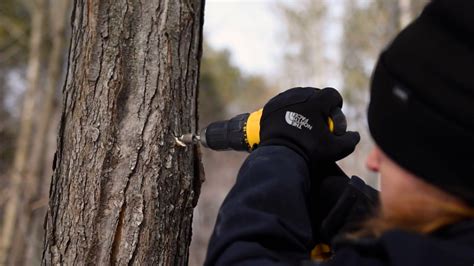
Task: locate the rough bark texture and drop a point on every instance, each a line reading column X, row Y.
column 122, row 191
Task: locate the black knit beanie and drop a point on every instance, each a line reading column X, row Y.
column 421, row 112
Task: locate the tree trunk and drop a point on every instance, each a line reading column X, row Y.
column 122, row 191
column 12, row 226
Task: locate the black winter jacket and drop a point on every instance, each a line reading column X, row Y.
column 273, row 217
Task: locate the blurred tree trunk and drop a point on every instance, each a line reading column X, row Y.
column 367, row 29
column 416, row 6
column 392, row 10
column 12, row 226
column 29, row 248
column 405, row 12
column 122, row 192
column 305, row 60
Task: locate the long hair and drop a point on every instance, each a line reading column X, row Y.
column 421, row 213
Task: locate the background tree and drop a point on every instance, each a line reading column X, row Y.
column 367, row 26
column 14, row 28
column 305, row 60
column 122, row 191
column 38, row 173
column 224, row 91
column 7, row 134
column 16, row 204
column 42, row 25
column 14, row 32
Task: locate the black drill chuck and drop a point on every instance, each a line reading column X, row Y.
column 226, row 135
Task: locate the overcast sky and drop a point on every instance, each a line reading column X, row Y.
column 252, row 30
column 249, row 29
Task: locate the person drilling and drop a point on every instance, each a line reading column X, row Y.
column 292, row 205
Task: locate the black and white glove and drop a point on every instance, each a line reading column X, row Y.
column 298, row 119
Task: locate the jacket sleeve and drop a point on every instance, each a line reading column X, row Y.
column 268, row 216
column 264, row 219
column 348, row 202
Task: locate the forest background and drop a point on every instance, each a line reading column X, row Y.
column 317, row 43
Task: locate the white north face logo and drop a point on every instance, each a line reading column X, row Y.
column 297, row 120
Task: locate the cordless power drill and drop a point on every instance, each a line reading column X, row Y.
column 242, row 132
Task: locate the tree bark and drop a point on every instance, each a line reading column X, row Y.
column 122, row 192
column 16, row 204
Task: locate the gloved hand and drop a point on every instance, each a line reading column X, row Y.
column 297, row 118
column 343, row 205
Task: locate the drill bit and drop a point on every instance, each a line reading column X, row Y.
column 187, row 139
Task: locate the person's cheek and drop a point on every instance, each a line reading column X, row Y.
column 373, row 160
